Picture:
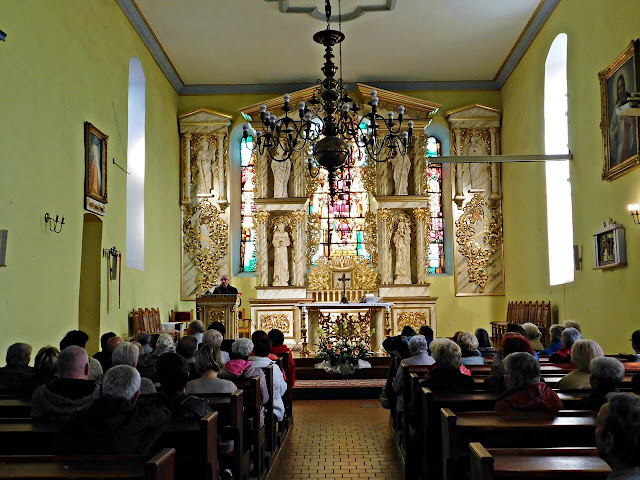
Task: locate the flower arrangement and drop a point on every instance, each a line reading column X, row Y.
column 340, row 353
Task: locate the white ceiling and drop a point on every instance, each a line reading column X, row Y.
column 231, row 42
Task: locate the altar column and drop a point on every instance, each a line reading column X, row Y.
column 459, row 197
column 222, row 188
column 298, row 225
column 262, row 176
column 299, row 179
column 384, row 256
column 421, row 216
column 313, row 322
column 186, row 172
column 262, row 244
column 419, row 165
column 495, row 197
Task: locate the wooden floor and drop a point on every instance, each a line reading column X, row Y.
column 338, row 439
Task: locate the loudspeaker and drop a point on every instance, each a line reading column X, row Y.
column 3, row 247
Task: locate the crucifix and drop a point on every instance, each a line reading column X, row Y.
column 344, row 281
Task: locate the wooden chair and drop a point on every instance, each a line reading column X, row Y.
column 148, row 320
column 158, row 467
column 539, row 463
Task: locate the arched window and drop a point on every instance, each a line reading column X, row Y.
column 248, row 207
column 342, row 221
column 135, row 166
column 558, row 181
column 434, row 188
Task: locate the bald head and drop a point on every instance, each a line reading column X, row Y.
column 113, row 342
column 73, row 362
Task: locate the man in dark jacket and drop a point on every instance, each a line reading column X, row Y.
column 116, row 423
column 525, row 391
column 17, row 373
column 173, row 374
column 108, row 342
column 70, row 394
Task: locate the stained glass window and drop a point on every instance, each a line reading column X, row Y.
column 248, row 235
column 342, row 221
column 434, row 188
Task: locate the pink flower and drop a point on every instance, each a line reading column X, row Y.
column 356, row 352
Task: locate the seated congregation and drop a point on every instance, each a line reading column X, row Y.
column 461, row 408
column 214, row 413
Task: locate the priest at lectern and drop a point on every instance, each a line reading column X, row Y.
column 224, row 288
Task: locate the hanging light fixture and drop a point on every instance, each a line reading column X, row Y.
column 329, row 121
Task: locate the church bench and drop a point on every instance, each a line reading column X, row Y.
column 411, row 374
column 287, row 398
column 15, row 407
column 254, row 432
column 229, row 407
column 124, row 467
column 270, row 422
column 541, row 463
column 22, row 437
column 196, row 445
column 519, row 429
column 552, row 380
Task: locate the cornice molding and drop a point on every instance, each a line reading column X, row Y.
column 285, row 7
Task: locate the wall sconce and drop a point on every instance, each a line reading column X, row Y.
column 634, row 210
column 53, row 223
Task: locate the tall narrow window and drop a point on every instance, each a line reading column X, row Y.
column 556, row 139
column 135, row 166
column 434, row 188
column 248, row 207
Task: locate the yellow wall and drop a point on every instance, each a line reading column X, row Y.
column 454, row 313
column 64, row 63
column 605, row 302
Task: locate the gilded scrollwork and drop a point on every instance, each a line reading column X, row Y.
column 262, row 217
column 206, row 240
column 355, row 327
column 414, row 320
column 313, row 237
column 216, row 316
column 364, row 277
column 369, row 177
column 281, row 321
column 477, row 255
column 370, row 236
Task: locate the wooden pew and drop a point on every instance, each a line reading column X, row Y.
column 520, row 429
column 410, row 375
column 231, row 427
column 287, row 398
column 15, row 407
column 540, row 463
column 254, row 432
column 270, row 422
column 196, row 444
column 552, row 380
column 159, row 467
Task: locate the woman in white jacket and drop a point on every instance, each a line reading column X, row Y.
column 261, row 358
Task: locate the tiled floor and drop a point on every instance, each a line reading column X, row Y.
column 338, row 439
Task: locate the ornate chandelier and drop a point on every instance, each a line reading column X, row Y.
column 329, row 120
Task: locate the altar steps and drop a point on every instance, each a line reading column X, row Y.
column 316, row 384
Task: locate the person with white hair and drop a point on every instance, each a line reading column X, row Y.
column 214, row 337
column 240, row 367
column 126, row 353
column 607, row 374
column 525, row 390
column 582, row 353
column 71, row 393
column 468, row 344
column 147, row 367
column 532, row 333
column 419, row 348
column 569, row 337
column 447, row 377
column 116, row 423
column 17, row 373
column 196, row 328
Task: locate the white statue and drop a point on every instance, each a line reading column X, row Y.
column 401, row 165
column 402, row 240
column 281, row 171
column 204, row 158
column 281, row 244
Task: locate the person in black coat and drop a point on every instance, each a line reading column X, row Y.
column 173, row 373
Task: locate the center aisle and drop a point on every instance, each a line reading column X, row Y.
column 338, row 439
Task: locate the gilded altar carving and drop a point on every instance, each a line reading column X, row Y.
column 281, row 321
column 476, row 254
column 205, row 239
column 355, row 327
column 414, row 320
column 313, row 237
column 364, row 277
column 422, row 214
column 369, row 177
column 262, row 217
column 216, row 316
column 370, row 236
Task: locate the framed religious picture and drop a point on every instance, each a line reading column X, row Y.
column 610, row 246
column 620, row 135
column 95, row 161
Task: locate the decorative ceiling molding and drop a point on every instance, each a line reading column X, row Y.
column 285, row 7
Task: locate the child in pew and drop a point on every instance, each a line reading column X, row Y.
column 525, row 391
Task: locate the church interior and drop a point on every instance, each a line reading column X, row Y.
column 151, row 154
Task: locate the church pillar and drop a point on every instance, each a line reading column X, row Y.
column 299, row 269
column 262, row 249
column 459, row 197
column 299, row 180
column 222, row 187
column 495, row 196
column 419, row 165
column 384, row 256
column 382, row 177
column 422, row 217
column 186, row 169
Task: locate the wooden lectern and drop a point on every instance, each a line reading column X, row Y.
column 219, row 308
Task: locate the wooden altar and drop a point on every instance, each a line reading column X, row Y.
column 219, row 308
column 373, row 318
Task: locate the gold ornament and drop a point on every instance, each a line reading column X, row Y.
column 262, row 217
column 280, row 321
column 414, row 320
column 370, row 236
column 313, row 237
column 216, row 316
column 363, row 276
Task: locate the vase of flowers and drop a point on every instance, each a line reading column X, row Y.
column 340, row 354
